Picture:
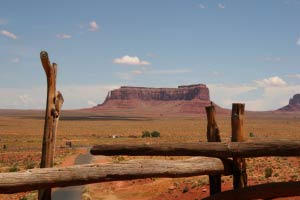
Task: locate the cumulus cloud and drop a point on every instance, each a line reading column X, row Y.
column 266, row 94
column 8, row 34
column 255, row 97
column 274, row 81
column 15, row 60
column 221, row 6
column 93, row 26
column 127, row 60
column 63, row 36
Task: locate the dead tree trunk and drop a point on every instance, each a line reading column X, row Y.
column 237, row 122
column 213, row 135
column 53, row 108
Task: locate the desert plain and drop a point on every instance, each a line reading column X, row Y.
column 21, row 135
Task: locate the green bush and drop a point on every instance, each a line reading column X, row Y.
column 251, row 134
column 268, row 172
column 155, row 134
column 14, row 168
column 146, row 134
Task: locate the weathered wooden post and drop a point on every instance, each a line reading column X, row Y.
column 213, row 135
column 53, row 108
column 237, row 122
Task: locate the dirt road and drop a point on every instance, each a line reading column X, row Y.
column 74, row 192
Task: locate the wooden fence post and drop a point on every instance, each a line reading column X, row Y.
column 213, row 135
column 53, row 108
column 237, row 122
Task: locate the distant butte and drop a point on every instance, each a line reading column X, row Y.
column 183, row 99
column 294, row 104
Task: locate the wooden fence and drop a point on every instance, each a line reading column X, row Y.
column 221, row 158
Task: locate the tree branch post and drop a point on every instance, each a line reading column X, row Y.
column 213, row 135
column 237, row 122
column 53, row 108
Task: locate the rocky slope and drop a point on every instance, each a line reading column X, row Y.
column 294, row 104
column 158, row 101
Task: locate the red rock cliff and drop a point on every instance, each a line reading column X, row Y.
column 185, row 99
column 294, row 104
column 188, row 92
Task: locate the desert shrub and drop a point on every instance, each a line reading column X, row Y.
column 268, row 172
column 29, row 165
column 23, row 198
column 185, row 189
column 155, row 134
column 118, row 159
column 251, row 134
column 14, row 168
column 146, row 134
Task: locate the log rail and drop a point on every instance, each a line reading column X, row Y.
column 41, row 178
column 209, row 149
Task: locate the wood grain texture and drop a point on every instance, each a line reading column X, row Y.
column 39, row 178
column 213, row 135
column 237, row 125
column 53, row 108
column 262, row 191
column 209, row 149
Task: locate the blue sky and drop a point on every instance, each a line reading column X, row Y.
column 245, row 51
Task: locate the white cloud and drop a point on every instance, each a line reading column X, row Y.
column 127, row 60
column 15, row 60
column 146, row 71
column 169, row 71
column 255, row 98
column 201, row 6
column 298, row 41
column 267, row 94
column 93, row 26
column 274, row 81
column 8, row 34
column 91, row 103
column 35, row 97
column 63, row 36
column 137, row 72
column 221, row 6
column 272, row 59
column 293, row 76
column 25, row 99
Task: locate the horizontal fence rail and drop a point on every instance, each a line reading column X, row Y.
column 262, row 191
column 209, row 149
column 40, row 178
